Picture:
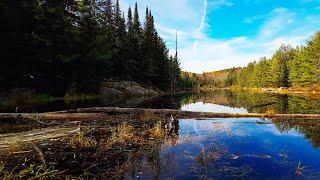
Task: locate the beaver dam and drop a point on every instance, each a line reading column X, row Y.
column 128, row 143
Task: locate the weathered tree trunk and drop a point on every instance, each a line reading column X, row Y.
column 105, row 113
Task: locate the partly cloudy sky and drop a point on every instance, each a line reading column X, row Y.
column 219, row 34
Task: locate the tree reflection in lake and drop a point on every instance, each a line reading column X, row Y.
column 217, row 101
column 252, row 102
column 212, row 148
column 242, row 148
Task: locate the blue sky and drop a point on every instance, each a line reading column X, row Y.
column 219, row 34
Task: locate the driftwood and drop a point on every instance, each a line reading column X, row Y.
column 105, row 113
column 29, row 137
column 43, row 159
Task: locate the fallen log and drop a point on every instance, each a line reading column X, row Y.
column 105, row 113
column 35, row 135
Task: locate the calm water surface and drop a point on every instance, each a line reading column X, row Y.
column 237, row 149
column 218, row 101
column 246, row 148
column 210, row 107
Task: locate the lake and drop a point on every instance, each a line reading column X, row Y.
column 217, row 101
column 237, row 149
column 245, row 148
column 147, row 147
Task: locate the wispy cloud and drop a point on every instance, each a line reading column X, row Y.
column 214, row 54
column 277, row 20
column 220, row 3
column 204, row 14
column 199, row 51
column 250, row 20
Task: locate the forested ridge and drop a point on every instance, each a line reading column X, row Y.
column 289, row 67
column 73, row 46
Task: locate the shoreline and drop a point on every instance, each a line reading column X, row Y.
column 307, row 92
column 105, row 113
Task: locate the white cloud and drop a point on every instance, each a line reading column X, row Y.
column 216, row 54
column 203, row 19
column 211, row 54
column 199, row 52
column 277, row 20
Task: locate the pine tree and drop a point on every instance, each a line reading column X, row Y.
column 261, row 76
column 136, row 46
column 279, row 68
column 77, row 44
column 109, row 14
column 120, row 61
column 303, row 71
column 148, row 48
column 131, row 54
column 136, row 25
column 313, row 52
column 130, row 21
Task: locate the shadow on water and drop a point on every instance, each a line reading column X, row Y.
column 161, row 149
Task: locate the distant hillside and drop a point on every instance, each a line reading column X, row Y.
column 221, row 75
column 296, row 68
column 214, row 79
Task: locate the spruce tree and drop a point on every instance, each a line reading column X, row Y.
column 75, row 45
column 279, row 68
column 313, row 52
column 148, row 48
column 136, row 45
column 130, row 53
column 121, row 64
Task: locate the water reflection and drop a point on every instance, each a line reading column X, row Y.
column 217, row 101
column 257, row 102
column 208, row 107
column 184, row 149
column 241, row 148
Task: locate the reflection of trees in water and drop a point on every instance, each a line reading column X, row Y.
column 137, row 156
column 303, row 105
column 257, row 102
column 253, row 102
column 309, row 128
column 166, row 101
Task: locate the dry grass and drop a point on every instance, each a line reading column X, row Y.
column 270, row 112
column 15, row 145
column 121, row 134
column 29, row 171
column 80, row 141
column 157, row 131
column 149, row 116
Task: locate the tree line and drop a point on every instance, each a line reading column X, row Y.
column 288, row 67
column 68, row 45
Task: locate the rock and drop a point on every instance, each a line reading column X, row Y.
column 127, row 88
column 109, row 91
